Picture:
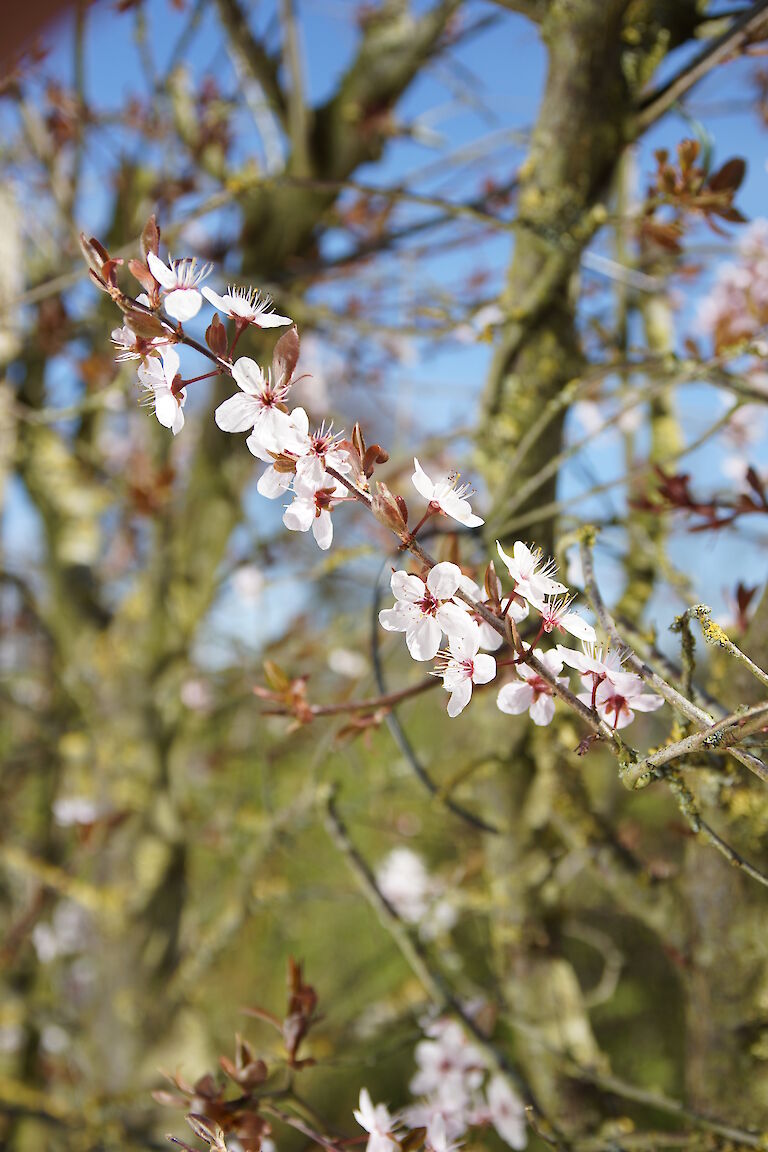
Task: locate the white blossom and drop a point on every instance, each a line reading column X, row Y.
column 490, row 639
column 311, row 508
column 506, row 1112
column 534, row 695
column 257, row 408
column 179, row 278
column 377, row 1122
column 462, row 666
column 446, row 495
column 532, row 574
column 617, row 706
column 556, row 614
column 157, row 375
column 417, row 897
column 426, row 609
column 247, row 306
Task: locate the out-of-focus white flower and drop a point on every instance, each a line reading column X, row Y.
column 195, row 694
column 54, row 1039
column 446, row 495
column 71, row 810
column 426, row 609
column 64, row 935
column 506, row 1112
column 180, row 279
column 346, row 662
column 417, row 897
column 248, row 582
column 247, row 306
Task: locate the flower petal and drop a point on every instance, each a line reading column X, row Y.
column 164, row 275
column 514, row 699
column 238, row 414
column 183, row 303
column 406, row 586
column 322, row 530
column 485, row 668
column 298, row 516
column 166, row 407
column 542, row 710
column 397, row 619
column 248, row 376
column 443, row 580
column 220, row 302
column 573, row 623
column 459, row 698
column 422, row 482
column 423, row 638
column 273, row 483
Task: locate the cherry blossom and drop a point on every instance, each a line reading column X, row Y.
column 417, row 897
column 461, row 667
column 556, row 614
column 426, row 609
column 617, row 706
column 179, row 278
column 446, row 495
column 311, row 508
column 596, row 666
column 258, row 408
column 506, row 1112
column 532, row 574
column 157, row 375
column 437, row 1135
column 131, row 347
column 247, row 306
column 490, row 639
column 535, row 694
column 377, row 1122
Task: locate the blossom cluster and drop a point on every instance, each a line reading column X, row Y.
column 430, row 608
column 445, row 616
column 456, row 1091
column 736, row 307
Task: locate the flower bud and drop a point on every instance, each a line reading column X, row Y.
column 216, row 336
column 390, row 510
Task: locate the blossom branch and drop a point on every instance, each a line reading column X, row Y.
column 688, row 709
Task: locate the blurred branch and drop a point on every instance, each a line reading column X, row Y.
column 257, row 62
column 744, row 27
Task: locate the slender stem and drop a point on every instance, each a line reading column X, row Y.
column 387, row 700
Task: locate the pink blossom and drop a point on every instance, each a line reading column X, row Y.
column 425, row 609
column 535, row 694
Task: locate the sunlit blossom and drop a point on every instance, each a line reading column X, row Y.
column 446, row 495
column 180, row 279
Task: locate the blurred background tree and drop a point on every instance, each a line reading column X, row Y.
column 164, row 847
